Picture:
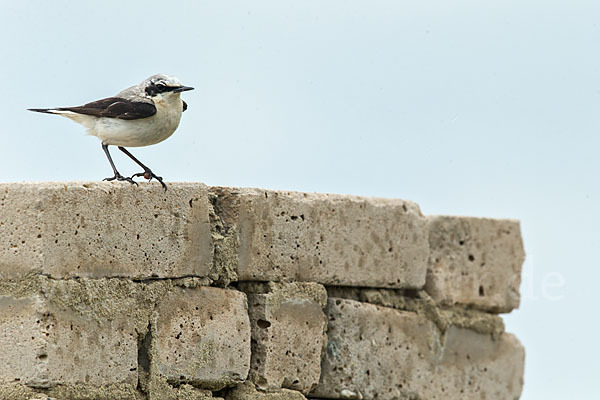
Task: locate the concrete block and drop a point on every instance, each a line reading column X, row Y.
column 475, row 262
column 164, row 391
column 19, row 391
column 288, row 334
column 201, row 336
column 375, row 352
column 378, row 352
column 475, row 366
column 327, row 239
column 104, row 229
column 45, row 343
column 247, row 391
column 421, row 303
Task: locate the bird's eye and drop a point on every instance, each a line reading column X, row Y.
column 161, row 87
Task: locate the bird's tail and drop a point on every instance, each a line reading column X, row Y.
column 57, row 111
column 85, row 120
column 43, row 110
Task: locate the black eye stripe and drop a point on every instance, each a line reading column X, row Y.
column 156, row 88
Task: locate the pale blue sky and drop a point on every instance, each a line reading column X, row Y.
column 466, row 107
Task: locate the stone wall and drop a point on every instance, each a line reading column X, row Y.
column 113, row 291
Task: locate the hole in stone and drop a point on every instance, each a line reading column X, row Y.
column 261, row 381
column 481, row 291
column 143, row 356
column 43, row 356
column 461, row 242
column 263, row 324
column 471, row 257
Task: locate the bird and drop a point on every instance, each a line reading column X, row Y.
column 141, row 115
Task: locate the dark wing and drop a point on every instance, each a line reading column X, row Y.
column 184, row 105
column 115, row 107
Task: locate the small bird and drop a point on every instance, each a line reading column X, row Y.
column 141, row 115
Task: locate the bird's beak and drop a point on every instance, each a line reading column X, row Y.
column 183, row 89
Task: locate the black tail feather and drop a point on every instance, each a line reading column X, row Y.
column 41, row 110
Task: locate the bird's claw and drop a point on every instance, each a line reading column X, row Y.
column 148, row 174
column 120, row 177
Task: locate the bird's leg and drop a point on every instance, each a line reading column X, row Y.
column 148, row 174
column 117, row 176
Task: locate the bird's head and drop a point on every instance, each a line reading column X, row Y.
column 162, row 87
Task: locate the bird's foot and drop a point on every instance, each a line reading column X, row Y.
column 148, row 174
column 120, row 177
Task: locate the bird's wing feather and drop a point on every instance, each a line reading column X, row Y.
column 184, row 105
column 115, row 107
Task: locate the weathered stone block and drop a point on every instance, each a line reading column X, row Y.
column 475, row 262
column 378, row 352
column 104, row 229
column 247, row 391
column 328, row 239
column 46, row 342
column 288, row 334
column 201, row 336
column 421, row 303
column 374, row 352
column 475, row 366
column 17, row 391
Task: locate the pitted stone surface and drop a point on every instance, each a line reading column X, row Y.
column 247, row 391
column 375, row 352
column 104, row 229
column 288, row 334
column 378, row 352
column 475, row 366
column 102, row 296
column 18, row 391
column 44, row 345
column 23, row 341
column 202, row 336
column 327, row 239
column 475, row 262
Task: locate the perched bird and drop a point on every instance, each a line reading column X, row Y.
column 141, row 115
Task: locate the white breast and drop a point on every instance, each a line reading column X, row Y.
column 139, row 132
